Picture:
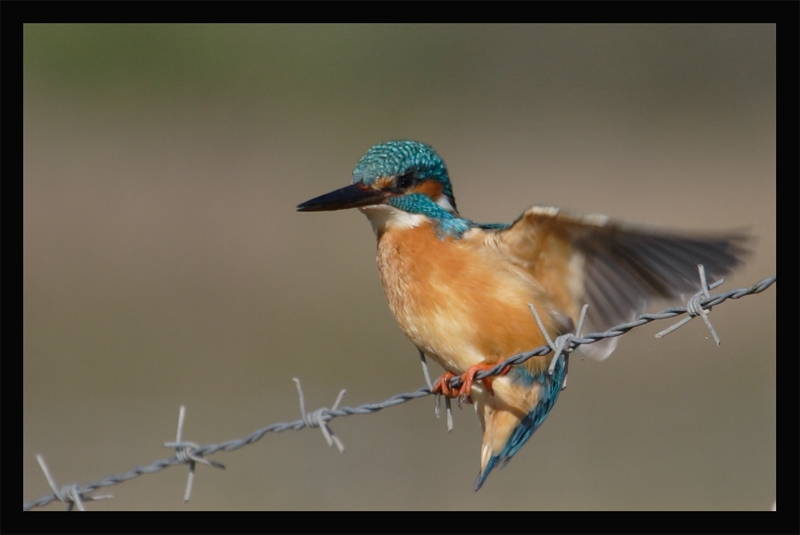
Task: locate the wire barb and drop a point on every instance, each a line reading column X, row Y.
column 694, row 307
column 447, row 408
column 563, row 344
column 185, row 453
column 70, row 494
column 425, row 370
column 436, row 410
column 319, row 418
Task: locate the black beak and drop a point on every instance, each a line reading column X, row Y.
column 351, row 196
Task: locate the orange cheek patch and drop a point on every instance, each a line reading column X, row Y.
column 382, row 183
column 431, row 188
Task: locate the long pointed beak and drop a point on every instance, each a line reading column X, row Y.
column 351, row 196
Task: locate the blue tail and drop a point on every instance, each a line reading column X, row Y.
column 552, row 387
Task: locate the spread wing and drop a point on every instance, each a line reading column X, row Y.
column 617, row 268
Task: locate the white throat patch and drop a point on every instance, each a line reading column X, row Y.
column 384, row 217
column 444, row 202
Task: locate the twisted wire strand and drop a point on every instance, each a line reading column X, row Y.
column 73, row 494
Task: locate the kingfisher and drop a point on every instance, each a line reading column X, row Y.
column 460, row 290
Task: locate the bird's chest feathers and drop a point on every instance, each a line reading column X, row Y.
column 457, row 301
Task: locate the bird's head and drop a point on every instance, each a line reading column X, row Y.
column 393, row 182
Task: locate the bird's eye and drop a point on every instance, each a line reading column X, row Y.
column 405, row 181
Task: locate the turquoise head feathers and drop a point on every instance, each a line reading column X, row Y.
column 410, row 159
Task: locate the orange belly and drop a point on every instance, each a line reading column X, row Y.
column 459, row 301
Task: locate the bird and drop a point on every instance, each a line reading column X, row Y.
column 460, row 290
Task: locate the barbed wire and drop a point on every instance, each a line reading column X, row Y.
column 190, row 453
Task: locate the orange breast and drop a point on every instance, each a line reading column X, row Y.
column 459, row 300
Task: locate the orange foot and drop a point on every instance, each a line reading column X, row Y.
column 442, row 384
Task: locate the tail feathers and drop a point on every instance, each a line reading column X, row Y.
column 505, row 432
column 520, row 435
column 485, row 472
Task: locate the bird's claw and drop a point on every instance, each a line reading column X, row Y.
column 463, row 393
column 442, row 385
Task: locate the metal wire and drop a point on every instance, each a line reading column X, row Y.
column 189, row 453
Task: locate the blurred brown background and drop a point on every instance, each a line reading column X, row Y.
column 164, row 262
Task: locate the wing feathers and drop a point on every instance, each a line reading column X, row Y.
column 623, row 267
